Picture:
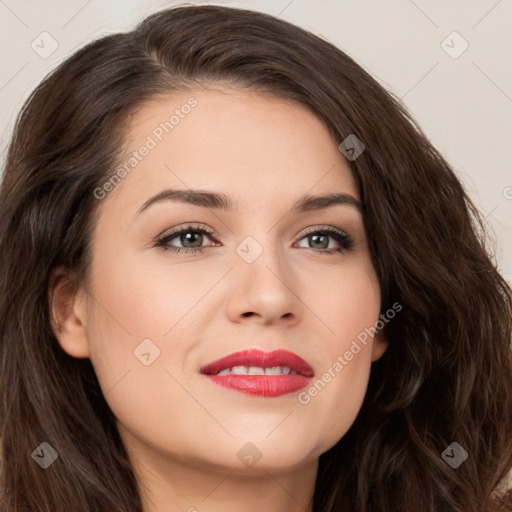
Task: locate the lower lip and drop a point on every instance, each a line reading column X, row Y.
column 261, row 385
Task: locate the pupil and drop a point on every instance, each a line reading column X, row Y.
column 190, row 237
column 315, row 237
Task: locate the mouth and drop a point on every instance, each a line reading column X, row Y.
column 260, row 373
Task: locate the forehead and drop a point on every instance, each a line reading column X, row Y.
column 252, row 144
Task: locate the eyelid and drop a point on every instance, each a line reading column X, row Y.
column 186, row 227
column 314, row 229
column 211, row 232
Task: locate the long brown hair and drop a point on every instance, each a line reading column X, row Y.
column 447, row 374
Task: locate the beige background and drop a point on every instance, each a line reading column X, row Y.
column 464, row 104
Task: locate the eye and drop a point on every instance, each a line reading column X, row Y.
column 320, row 240
column 192, row 238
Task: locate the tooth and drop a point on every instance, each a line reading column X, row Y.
column 256, row 370
column 239, row 370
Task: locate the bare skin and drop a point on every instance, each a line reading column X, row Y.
column 183, row 433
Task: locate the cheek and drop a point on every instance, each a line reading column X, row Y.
column 348, row 302
column 133, row 302
column 131, row 305
column 145, row 299
column 335, row 396
column 337, row 393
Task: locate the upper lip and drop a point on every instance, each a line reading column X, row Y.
column 255, row 357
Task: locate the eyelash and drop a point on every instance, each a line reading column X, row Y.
column 344, row 240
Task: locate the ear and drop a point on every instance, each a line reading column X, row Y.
column 380, row 344
column 68, row 313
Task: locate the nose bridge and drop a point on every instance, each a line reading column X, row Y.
column 264, row 281
column 262, row 254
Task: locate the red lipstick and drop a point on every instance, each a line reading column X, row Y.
column 260, row 373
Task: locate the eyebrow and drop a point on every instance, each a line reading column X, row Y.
column 220, row 201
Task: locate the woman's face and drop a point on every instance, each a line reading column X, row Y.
column 266, row 279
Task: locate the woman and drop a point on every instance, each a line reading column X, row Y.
column 336, row 336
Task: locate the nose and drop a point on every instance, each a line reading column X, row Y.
column 264, row 290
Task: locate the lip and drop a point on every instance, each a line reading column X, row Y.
column 261, row 385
